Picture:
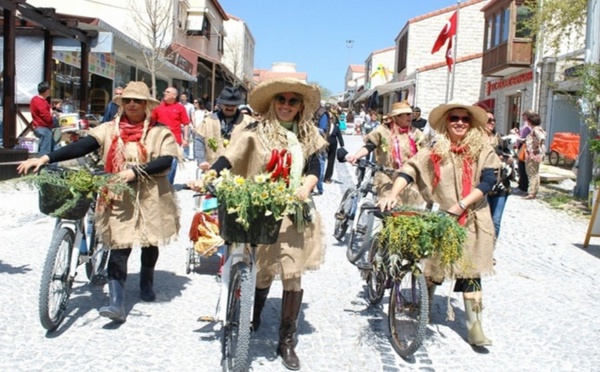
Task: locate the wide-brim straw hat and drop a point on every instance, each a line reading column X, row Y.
column 263, row 93
column 139, row 90
column 437, row 117
column 399, row 108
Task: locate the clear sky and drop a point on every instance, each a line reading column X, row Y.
column 313, row 33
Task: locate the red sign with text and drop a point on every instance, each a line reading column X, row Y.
column 505, row 83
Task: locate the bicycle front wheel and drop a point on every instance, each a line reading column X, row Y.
column 360, row 235
column 343, row 214
column 375, row 277
column 408, row 313
column 55, row 287
column 236, row 330
column 95, row 267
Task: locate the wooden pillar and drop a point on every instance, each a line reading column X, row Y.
column 10, row 110
column 48, row 62
column 85, row 78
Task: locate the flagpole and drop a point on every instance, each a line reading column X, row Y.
column 447, row 84
column 454, row 49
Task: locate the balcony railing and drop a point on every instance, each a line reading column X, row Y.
column 505, row 58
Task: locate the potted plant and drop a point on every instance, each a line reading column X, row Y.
column 414, row 234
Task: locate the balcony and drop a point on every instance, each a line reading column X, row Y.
column 507, row 58
column 508, row 45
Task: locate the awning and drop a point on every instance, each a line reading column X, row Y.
column 129, row 47
column 487, row 104
column 392, row 87
column 364, row 95
column 183, row 57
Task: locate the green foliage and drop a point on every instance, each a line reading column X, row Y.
column 556, row 20
column 69, row 187
column 252, row 199
column 415, row 235
column 590, row 96
column 325, row 93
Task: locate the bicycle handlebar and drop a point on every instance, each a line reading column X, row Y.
column 364, row 163
column 61, row 169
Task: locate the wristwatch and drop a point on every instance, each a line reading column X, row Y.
column 462, row 205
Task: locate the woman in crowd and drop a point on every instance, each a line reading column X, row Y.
column 393, row 143
column 287, row 106
column 141, row 152
column 535, row 150
column 456, row 173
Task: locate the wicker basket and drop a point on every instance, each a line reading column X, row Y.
column 52, row 197
column 264, row 230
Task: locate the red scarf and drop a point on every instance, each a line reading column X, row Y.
column 115, row 160
column 466, row 177
column 396, row 153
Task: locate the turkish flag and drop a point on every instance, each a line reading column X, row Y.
column 447, row 32
column 449, row 56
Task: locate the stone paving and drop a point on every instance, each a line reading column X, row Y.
column 541, row 307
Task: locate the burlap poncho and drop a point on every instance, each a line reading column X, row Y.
column 151, row 217
column 210, row 129
column 294, row 252
column 383, row 138
column 477, row 257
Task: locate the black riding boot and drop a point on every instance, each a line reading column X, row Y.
column 290, row 309
column 260, row 297
column 146, row 283
column 116, row 309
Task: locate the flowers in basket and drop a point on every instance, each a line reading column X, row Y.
column 416, row 234
column 67, row 193
column 253, row 199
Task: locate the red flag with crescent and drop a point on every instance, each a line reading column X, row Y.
column 447, row 32
column 449, row 56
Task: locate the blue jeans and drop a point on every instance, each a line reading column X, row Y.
column 173, row 171
column 497, row 203
column 322, row 162
column 46, row 140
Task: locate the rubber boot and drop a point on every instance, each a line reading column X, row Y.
column 290, row 309
column 260, row 297
column 116, row 309
column 473, row 310
column 146, row 282
column 430, row 292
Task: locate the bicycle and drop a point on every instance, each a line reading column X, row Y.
column 238, row 279
column 74, row 242
column 363, row 223
column 408, row 308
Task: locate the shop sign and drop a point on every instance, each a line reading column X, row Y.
column 179, row 61
column 508, row 82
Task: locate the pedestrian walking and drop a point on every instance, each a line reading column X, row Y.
column 287, row 106
column 141, row 153
column 535, row 150
column 457, row 173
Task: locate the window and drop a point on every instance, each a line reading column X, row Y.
column 489, row 33
column 497, row 28
column 402, row 53
column 505, row 25
column 523, row 15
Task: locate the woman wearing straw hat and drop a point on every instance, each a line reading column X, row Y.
column 140, row 152
column 393, row 144
column 286, row 105
column 457, row 172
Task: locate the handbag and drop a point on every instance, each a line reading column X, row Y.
column 522, row 152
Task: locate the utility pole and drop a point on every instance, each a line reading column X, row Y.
column 592, row 56
column 349, row 45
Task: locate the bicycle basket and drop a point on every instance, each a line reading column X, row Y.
column 263, row 230
column 53, row 198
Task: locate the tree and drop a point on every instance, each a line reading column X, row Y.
column 152, row 27
column 325, row 93
column 234, row 55
column 556, row 20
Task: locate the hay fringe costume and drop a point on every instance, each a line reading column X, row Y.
column 296, row 249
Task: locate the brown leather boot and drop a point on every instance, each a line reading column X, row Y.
column 290, row 309
column 260, row 297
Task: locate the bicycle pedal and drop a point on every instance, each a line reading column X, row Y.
column 340, row 216
column 206, row 318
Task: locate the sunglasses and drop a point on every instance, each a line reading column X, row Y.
column 490, row 121
column 293, row 102
column 136, row 100
column 456, row 118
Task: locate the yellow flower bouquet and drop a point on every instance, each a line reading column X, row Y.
column 251, row 208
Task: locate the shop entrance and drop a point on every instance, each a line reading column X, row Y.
column 514, row 112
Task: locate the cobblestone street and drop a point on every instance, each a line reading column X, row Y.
column 541, row 307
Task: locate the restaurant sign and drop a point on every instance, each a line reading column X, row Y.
column 492, row 86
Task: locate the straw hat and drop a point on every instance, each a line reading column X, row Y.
column 437, row 117
column 263, row 93
column 139, row 90
column 400, row 108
